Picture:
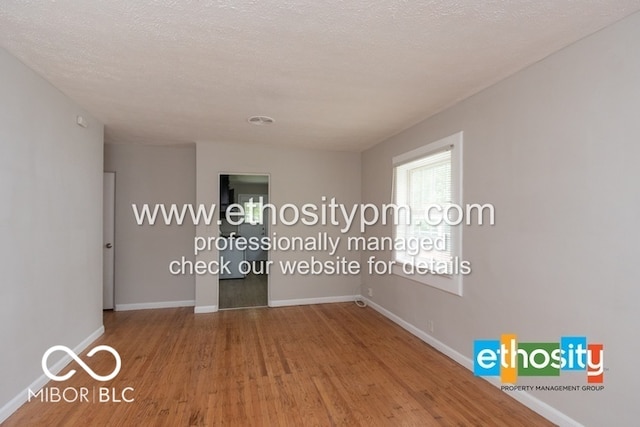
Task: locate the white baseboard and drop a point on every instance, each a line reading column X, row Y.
column 20, row 399
column 531, row 402
column 199, row 309
column 308, row 301
column 152, row 305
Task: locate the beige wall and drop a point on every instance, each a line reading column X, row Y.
column 151, row 174
column 50, row 227
column 296, row 176
column 555, row 149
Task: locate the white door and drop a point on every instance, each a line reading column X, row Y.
column 258, row 230
column 108, row 215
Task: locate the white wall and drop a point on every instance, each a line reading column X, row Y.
column 555, row 149
column 50, row 223
column 151, row 174
column 297, row 176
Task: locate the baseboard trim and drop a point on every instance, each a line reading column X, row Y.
column 21, row 398
column 531, row 402
column 199, row 309
column 152, row 305
column 309, row 301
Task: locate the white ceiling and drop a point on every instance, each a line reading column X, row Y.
column 334, row 74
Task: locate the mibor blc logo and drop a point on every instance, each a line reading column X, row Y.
column 80, row 362
column 82, row 394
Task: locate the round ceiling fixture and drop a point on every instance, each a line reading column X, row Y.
column 260, row 120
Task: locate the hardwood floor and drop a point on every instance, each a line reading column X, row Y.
column 332, row 364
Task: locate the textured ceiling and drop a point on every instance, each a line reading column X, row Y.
column 334, row 74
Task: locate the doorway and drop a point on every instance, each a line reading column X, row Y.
column 239, row 288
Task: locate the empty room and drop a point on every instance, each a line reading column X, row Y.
column 292, row 213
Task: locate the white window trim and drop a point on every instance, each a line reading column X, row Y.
column 448, row 283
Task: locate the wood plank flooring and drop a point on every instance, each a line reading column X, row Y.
column 319, row 365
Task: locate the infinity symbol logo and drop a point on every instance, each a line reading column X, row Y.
column 84, row 366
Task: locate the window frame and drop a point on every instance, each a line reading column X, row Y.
column 449, row 283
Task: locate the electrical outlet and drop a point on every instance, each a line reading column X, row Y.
column 431, row 327
column 370, row 292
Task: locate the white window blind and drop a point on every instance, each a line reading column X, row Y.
column 428, row 180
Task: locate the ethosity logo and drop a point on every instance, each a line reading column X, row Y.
column 509, row 359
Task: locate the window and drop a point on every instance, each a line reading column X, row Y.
column 428, row 181
column 253, row 211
